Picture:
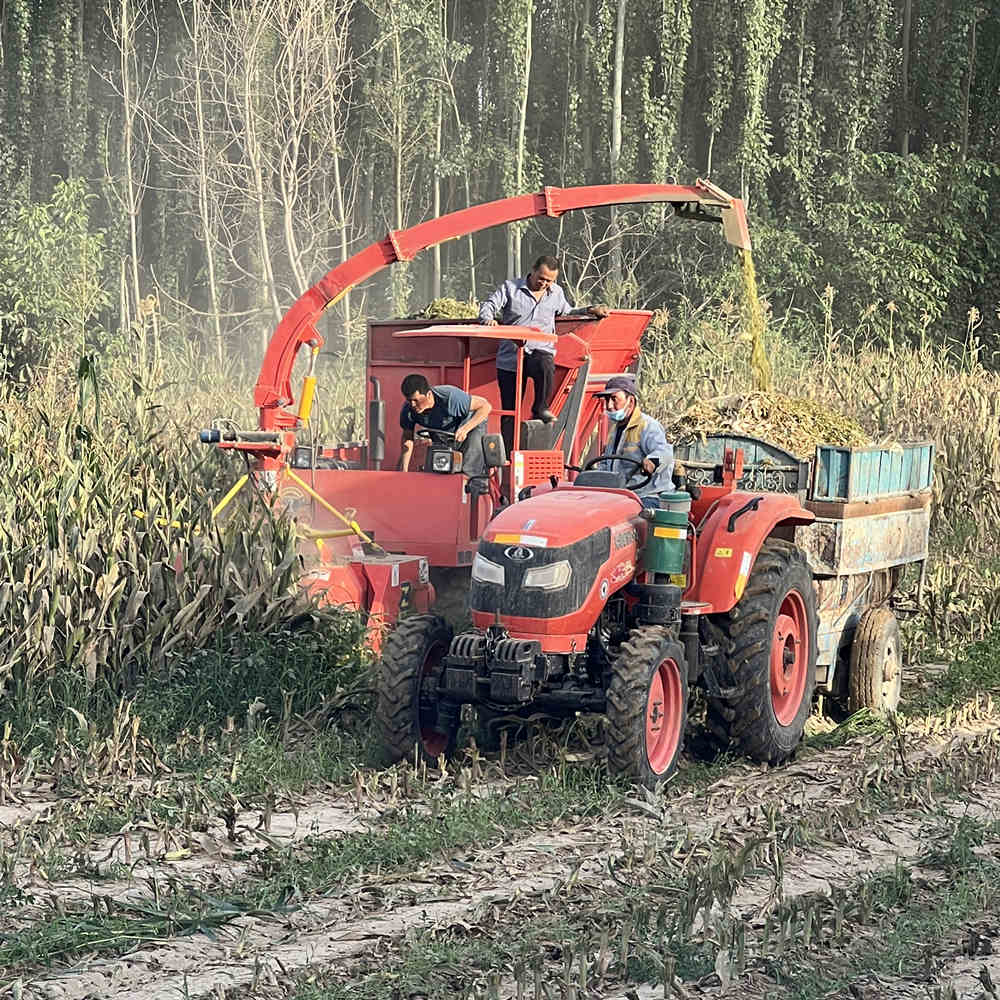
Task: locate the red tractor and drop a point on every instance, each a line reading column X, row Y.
column 757, row 584
column 584, row 601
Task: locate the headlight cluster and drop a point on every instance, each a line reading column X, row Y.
column 555, row 576
column 484, row 571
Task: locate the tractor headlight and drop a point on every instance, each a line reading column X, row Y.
column 484, row 571
column 441, row 461
column 555, row 576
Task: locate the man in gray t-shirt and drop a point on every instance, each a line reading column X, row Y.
column 532, row 301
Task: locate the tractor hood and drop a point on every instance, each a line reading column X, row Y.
column 547, row 565
column 561, row 517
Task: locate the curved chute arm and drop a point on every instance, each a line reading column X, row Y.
column 273, row 390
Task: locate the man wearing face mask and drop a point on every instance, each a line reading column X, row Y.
column 636, row 435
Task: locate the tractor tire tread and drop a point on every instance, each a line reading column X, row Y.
column 627, row 695
column 743, row 716
column 397, row 705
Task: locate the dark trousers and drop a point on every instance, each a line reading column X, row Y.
column 473, row 456
column 540, row 367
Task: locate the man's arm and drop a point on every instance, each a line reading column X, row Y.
column 492, row 309
column 654, row 445
column 566, row 309
column 407, row 451
column 479, row 410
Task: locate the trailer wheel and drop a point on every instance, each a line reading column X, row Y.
column 770, row 644
column 876, row 663
column 647, row 706
column 406, row 714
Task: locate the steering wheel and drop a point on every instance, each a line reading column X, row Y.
column 434, row 435
column 637, row 462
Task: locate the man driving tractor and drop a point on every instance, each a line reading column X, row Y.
column 448, row 409
column 638, row 436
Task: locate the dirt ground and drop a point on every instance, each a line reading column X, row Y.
column 876, row 802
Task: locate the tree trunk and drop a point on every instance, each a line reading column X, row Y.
column 253, row 151
column 616, row 143
column 204, row 215
column 514, row 264
column 438, row 129
column 904, row 109
column 133, row 198
column 967, row 87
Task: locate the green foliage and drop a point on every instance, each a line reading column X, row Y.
column 912, row 230
column 51, row 271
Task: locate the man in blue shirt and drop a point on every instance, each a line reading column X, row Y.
column 444, row 408
column 636, row 435
column 532, row 301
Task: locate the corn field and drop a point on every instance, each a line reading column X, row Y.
column 111, row 561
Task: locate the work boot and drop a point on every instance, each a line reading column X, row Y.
column 546, row 416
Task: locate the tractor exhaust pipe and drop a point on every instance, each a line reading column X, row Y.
column 376, row 425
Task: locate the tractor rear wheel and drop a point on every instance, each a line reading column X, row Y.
column 770, row 644
column 876, row 663
column 647, row 706
column 406, row 714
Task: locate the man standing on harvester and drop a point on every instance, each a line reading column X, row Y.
column 638, row 436
column 450, row 409
column 532, row 301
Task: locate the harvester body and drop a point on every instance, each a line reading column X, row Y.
column 372, row 534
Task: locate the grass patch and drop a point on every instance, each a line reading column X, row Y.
column 114, row 927
column 975, row 671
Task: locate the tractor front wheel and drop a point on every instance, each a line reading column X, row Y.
column 647, row 706
column 406, row 714
column 770, row 642
column 876, row 663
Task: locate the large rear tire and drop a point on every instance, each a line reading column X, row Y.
column 406, row 714
column 770, row 644
column 876, row 672
column 647, row 706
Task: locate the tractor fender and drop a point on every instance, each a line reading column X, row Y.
column 724, row 557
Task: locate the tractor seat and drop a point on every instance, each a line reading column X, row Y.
column 601, row 478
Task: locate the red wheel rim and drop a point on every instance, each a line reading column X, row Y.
column 664, row 712
column 789, row 658
column 434, row 743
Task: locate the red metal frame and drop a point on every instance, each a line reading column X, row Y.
column 273, row 392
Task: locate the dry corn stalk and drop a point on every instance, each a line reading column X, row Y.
column 446, row 308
